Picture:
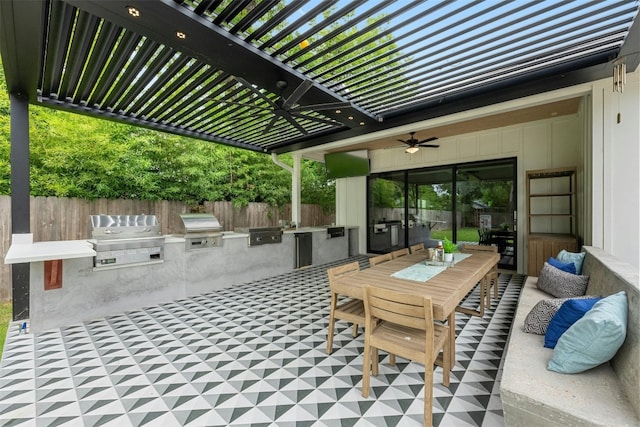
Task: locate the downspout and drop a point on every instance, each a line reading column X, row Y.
column 295, row 185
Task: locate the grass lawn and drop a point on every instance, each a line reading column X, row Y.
column 464, row 234
column 5, row 318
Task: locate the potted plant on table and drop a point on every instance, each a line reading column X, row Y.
column 449, row 247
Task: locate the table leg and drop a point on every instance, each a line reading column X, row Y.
column 452, row 337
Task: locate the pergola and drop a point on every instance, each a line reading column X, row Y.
column 280, row 76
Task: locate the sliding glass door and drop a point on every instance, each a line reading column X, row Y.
column 486, row 206
column 466, row 203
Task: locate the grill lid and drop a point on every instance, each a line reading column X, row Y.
column 124, row 226
column 200, row 223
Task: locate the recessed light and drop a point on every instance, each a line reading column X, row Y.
column 133, row 11
column 350, row 117
column 181, row 35
column 361, row 123
column 338, row 111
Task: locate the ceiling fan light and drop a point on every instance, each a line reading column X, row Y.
column 411, row 150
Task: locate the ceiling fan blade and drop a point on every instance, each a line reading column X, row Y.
column 433, row 138
column 269, row 125
column 295, row 123
column 316, row 119
column 297, row 94
column 249, row 86
column 320, row 107
column 428, row 145
column 401, row 140
column 243, row 105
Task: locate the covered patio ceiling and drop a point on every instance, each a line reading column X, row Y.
column 277, row 76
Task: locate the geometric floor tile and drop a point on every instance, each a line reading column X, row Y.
column 249, row 355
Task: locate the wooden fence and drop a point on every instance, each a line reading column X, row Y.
column 55, row 218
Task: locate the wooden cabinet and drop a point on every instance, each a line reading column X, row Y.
column 551, row 215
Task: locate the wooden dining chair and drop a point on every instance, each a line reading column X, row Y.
column 342, row 308
column 492, row 276
column 402, row 325
column 379, row 259
column 400, row 252
column 419, row 247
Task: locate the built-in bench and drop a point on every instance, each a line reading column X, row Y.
column 608, row 395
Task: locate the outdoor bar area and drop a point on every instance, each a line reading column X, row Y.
column 478, row 267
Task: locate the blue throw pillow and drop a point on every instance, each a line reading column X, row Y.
column 569, row 267
column 575, row 257
column 570, row 311
column 594, row 339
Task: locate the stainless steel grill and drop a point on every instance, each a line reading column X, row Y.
column 262, row 235
column 201, row 230
column 126, row 239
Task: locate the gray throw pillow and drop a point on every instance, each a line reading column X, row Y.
column 561, row 284
column 541, row 314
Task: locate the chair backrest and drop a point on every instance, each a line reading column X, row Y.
column 399, row 308
column 483, row 236
column 342, row 270
column 417, row 248
column 379, row 259
column 399, row 253
column 335, row 273
column 478, row 248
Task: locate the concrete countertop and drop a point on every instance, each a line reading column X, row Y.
column 25, row 251
column 47, row 251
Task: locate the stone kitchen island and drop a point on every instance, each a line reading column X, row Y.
column 87, row 292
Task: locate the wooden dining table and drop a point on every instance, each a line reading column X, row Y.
column 446, row 289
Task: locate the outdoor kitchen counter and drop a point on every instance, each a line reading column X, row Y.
column 89, row 292
column 48, row 251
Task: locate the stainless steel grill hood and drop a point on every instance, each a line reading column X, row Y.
column 126, row 239
column 201, row 230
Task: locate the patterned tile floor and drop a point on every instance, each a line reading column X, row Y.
column 250, row 355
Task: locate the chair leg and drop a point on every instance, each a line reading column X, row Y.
column 366, row 370
column 330, row 335
column 392, row 359
column 355, row 330
column 446, row 368
column 495, row 285
column 374, row 361
column 428, row 395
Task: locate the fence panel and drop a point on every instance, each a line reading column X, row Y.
column 54, row 219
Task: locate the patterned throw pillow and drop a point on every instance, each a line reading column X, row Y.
column 561, row 284
column 541, row 314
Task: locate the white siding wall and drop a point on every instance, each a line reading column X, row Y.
column 351, row 206
column 615, row 169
